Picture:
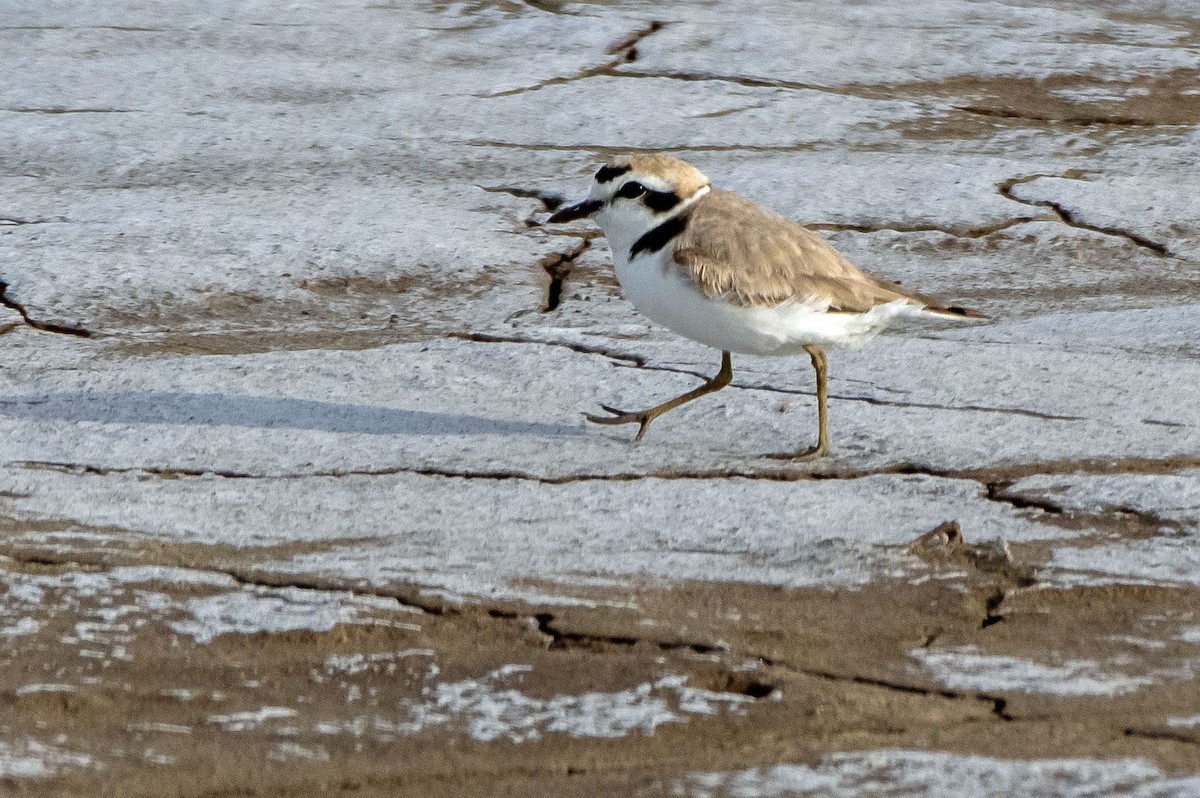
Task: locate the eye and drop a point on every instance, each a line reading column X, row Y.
column 631, row 190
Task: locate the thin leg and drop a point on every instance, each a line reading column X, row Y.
column 643, row 417
column 819, row 364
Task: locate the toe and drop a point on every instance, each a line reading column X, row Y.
column 815, row 453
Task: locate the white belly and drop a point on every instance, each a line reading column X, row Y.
column 664, row 293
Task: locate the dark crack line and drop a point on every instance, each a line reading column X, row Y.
column 44, row 326
column 1149, row 519
column 406, row 596
column 808, row 472
column 603, row 149
column 1071, row 219
column 623, row 47
column 747, row 684
column 488, row 338
column 741, row 80
column 40, row 559
column 409, row 596
column 805, row 472
column 545, row 7
column 874, row 400
column 999, row 492
column 563, row 639
column 1015, row 579
column 776, row 475
column 550, row 201
column 998, row 704
column 1094, row 466
column 828, row 471
column 1160, row 734
column 57, row 111
column 757, row 689
column 1100, row 119
column 1157, row 423
column 992, row 613
column 154, row 471
column 166, row 472
column 118, row 28
column 558, row 639
column 971, row 232
column 781, row 474
column 728, row 111
column 14, row 221
column 1109, row 517
column 557, row 266
column 587, row 72
column 624, row 51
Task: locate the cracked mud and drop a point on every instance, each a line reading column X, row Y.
column 622, row 692
column 42, row 326
column 296, row 495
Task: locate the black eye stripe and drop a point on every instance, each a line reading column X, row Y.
column 657, row 201
column 661, row 200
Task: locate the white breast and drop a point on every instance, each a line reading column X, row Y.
column 663, row 291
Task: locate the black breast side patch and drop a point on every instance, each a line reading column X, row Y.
column 659, row 237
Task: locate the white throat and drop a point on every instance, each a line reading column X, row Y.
column 625, row 223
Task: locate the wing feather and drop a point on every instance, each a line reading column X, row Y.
column 734, row 249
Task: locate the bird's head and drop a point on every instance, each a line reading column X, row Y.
column 632, row 194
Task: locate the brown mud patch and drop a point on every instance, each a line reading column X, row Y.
column 223, row 677
column 978, row 107
column 338, row 313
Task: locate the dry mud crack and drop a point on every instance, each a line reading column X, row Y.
column 43, row 326
column 313, row 509
column 1072, row 218
column 629, row 690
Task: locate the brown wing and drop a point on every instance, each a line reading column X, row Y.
column 734, row 249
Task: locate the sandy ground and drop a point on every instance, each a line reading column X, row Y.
column 296, row 496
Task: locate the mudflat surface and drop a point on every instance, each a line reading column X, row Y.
column 296, row 496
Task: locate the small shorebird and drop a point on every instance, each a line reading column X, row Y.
column 716, row 268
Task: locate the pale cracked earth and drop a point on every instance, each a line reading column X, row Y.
column 296, row 495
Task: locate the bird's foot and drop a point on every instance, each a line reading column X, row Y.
column 642, row 418
column 811, row 453
column 807, row 455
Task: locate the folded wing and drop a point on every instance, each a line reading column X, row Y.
column 745, row 254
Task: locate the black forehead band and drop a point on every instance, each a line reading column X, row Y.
column 608, row 173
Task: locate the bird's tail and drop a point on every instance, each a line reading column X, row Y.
column 952, row 312
column 927, row 305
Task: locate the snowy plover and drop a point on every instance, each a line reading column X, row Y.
column 716, row 268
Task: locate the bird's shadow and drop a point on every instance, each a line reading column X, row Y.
column 262, row 412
